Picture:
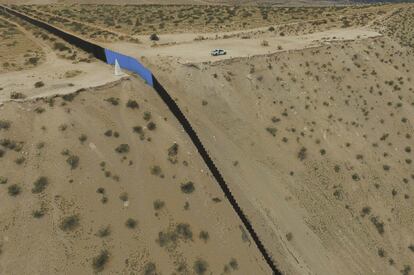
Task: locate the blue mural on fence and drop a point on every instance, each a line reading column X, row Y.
column 130, row 64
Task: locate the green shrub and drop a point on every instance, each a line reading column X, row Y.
column 166, row 239
column 173, row 150
column 187, row 187
column 183, row 231
column 147, row 116
column 63, row 127
column 151, row 126
column 38, row 213
column 200, row 267
column 156, row 170
column 114, row 101
column 40, row 185
column 39, row 110
column 355, row 177
column 204, row 236
column 366, row 210
column 39, row 84
column 132, row 104
column 122, row 149
column 150, row 269
column 234, row 265
column 99, row 262
column 14, row 190
column 131, row 223
column 302, row 154
column 378, row 225
column 123, row 196
column 272, row 131
column 83, row 138
column 11, row 144
column 69, row 97
column 104, row 232
column 33, row 60
column 158, row 204
column 4, row 124
column 381, row 252
column 139, row 130
column 70, row 223
column 73, row 161
column 20, row 160
column 3, row 180
column 406, row 270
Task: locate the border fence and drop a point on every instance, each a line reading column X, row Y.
column 132, row 64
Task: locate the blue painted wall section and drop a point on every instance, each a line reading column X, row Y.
column 130, row 64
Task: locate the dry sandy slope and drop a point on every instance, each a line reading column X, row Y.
column 347, row 206
column 48, row 129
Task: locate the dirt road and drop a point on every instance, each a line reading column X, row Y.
column 199, row 51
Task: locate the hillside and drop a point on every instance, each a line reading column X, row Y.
column 110, row 184
column 319, row 143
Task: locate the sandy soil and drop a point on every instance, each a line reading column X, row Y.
column 59, row 76
column 315, row 140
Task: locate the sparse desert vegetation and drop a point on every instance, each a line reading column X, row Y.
column 99, row 207
column 113, row 22
column 328, row 128
column 314, row 136
column 17, row 51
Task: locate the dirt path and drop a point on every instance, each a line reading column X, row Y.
column 199, row 51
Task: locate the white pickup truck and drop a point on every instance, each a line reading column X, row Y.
column 217, row 52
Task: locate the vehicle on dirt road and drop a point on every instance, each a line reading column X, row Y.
column 217, row 52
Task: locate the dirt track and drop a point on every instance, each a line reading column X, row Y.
column 186, row 51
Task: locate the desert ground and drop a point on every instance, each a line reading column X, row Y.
column 309, row 117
